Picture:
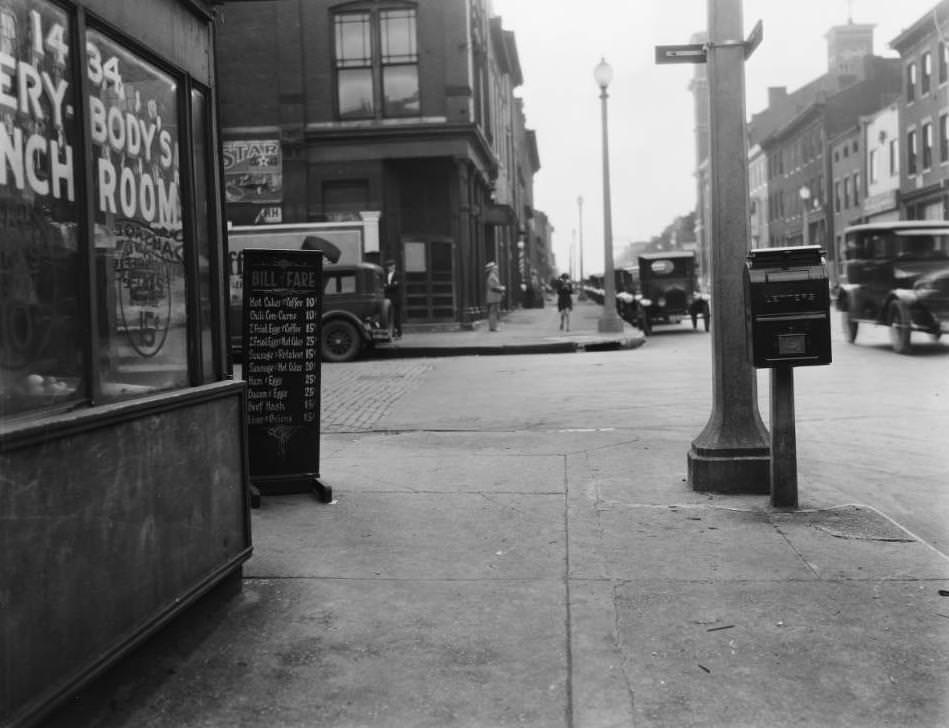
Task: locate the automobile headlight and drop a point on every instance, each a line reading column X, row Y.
column 645, row 302
column 662, row 300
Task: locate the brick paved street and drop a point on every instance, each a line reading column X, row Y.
column 356, row 395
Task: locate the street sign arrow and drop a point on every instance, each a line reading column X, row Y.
column 687, row 53
column 754, row 39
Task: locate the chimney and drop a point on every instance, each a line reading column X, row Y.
column 777, row 94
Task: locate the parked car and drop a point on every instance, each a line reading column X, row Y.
column 356, row 313
column 665, row 291
column 896, row 274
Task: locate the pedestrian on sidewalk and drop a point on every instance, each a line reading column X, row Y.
column 564, row 300
column 493, row 292
column 393, row 291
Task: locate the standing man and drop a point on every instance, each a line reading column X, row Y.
column 492, row 296
column 393, row 291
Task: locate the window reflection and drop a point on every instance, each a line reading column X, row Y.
column 40, row 321
column 141, row 300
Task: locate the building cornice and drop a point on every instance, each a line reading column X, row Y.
column 372, row 135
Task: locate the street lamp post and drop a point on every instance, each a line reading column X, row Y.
column 582, row 295
column 609, row 320
column 805, row 195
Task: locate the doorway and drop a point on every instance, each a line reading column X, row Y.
column 429, row 280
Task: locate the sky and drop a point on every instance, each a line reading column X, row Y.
column 651, row 121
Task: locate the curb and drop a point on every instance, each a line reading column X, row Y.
column 396, row 351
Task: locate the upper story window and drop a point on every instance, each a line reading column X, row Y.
column 927, row 72
column 910, row 82
column 943, row 62
column 376, row 57
column 872, row 163
column 911, row 152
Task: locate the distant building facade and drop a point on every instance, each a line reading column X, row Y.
column 881, row 145
column 924, row 114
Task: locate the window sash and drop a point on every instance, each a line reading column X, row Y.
column 398, row 39
column 353, row 40
column 355, row 93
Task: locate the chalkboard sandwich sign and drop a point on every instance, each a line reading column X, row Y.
column 281, row 334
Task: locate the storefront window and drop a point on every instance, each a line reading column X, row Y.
column 40, row 311
column 141, row 299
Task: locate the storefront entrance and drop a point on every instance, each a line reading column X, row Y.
column 429, row 280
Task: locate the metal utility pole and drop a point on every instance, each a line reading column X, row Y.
column 609, row 320
column 732, row 453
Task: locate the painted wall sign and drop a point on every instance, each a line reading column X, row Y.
column 253, row 171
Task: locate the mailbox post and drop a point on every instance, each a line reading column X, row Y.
column 787, row 314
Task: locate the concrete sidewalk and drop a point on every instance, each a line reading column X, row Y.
column 522, row 331
column 552, row 578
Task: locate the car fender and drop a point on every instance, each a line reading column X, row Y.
column 347, row 316
column 843, row 296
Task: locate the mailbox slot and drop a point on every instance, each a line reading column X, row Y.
column 787, row 307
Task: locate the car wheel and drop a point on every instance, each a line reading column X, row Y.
column 899, row 329
column 339, row 341
column 850, row 327
column 695, row 320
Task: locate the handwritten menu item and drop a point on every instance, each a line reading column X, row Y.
column 282, row 308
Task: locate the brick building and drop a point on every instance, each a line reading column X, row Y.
column 399, row 110
column 796, row 132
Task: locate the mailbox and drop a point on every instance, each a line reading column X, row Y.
column 787, row 307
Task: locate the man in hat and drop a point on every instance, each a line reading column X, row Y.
column 393, row 291
column 492, row 296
